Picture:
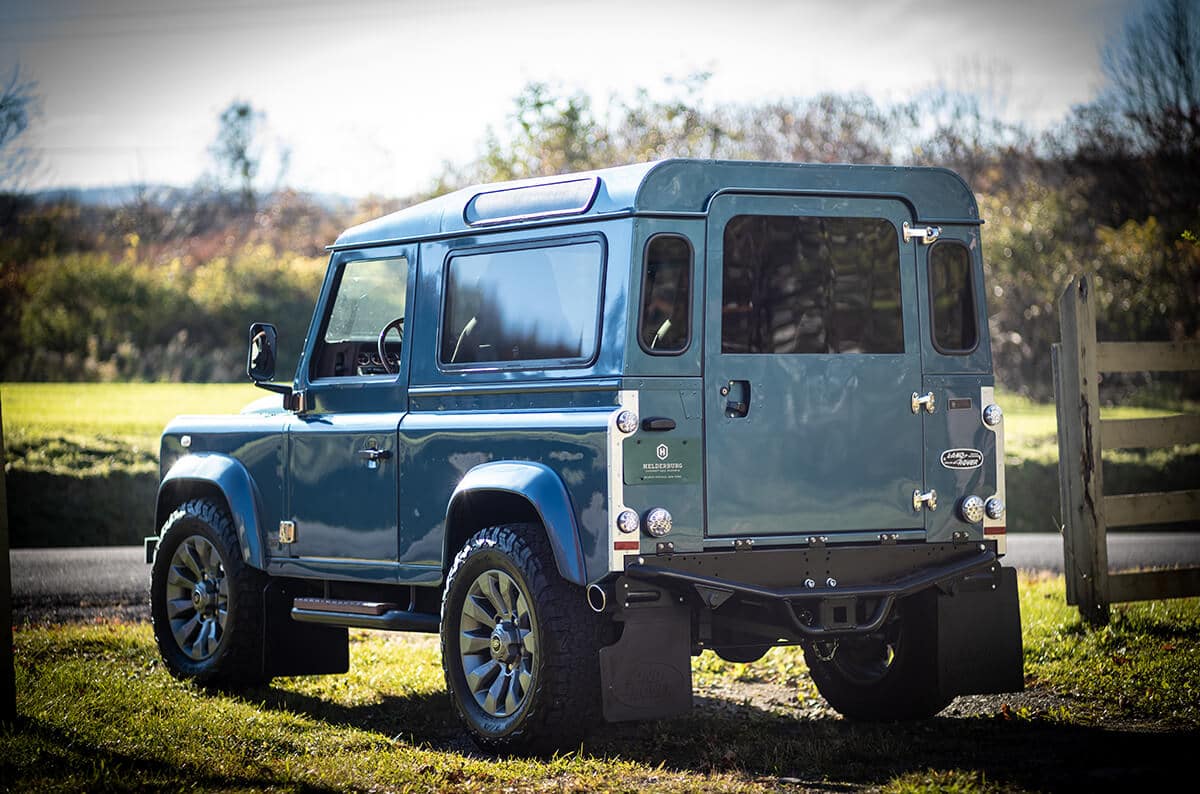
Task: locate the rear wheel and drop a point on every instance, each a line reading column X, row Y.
column 519, row 644
column 206, row 605
column 889, row 675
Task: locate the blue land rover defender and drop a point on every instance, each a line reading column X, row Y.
column 586, row 427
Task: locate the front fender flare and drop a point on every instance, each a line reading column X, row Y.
column 230, row 477
column 541, row 486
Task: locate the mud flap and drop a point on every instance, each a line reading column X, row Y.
column 293, row 648
column 979, row 636
column 647, row 674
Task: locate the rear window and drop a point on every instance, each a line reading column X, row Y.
column 953, row 298
column 666, row 295
column 811, row 285
column 527, row 305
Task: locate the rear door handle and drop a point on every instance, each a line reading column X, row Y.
column 737, row 398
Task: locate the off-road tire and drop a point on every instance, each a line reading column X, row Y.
column 237, row 660
column 563, row 698
column 906, row 690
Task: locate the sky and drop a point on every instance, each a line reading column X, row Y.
column 373, row 97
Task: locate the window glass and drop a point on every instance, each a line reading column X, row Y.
column 666, row 295
column 954, row 322
column 370, row 295
column 811, row 285
column 527, row 305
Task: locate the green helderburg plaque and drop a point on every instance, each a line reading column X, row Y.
column 674, row 460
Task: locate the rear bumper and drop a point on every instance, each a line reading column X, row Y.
column 815, row 593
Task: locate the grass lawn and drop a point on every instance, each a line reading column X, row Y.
column 1117, row 707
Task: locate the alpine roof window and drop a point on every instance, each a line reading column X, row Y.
column 665, row 324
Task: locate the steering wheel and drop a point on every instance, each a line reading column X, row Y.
column 398, row 324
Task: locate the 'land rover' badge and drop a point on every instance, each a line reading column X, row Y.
column 962, row 459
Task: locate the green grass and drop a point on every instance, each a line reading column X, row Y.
column 98, row 712
column 134, row 412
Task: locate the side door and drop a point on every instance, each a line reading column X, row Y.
column 811, row 362
column 343, row 456
column 960, row 450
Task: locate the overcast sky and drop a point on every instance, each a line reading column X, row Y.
column 373, row 96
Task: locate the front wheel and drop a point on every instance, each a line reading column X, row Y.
column 206, row 605
column 888, row 676
column 519, row 645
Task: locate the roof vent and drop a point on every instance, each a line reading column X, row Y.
column 569, row 197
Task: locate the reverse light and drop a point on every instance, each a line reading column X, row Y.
column 628, row 521
column 992, row 415
column 994, row 507
column 658, row 522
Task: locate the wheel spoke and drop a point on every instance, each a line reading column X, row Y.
column 511, row 596
column 491, row 589
column 470, row 643
column 495, row 693
column 476, row 608
column 189, row 555
column 481, row 677
column 513, row 699
column 524, row 677
column 181, row 577
column 178, row 607
column 529, row 641
column 184, row 631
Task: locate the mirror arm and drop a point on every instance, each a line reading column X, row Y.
column 278, row 388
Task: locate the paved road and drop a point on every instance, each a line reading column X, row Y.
column 67, row 580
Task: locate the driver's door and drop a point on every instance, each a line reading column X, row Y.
column 342, row 451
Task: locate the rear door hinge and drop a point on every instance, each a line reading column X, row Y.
column 926, row 234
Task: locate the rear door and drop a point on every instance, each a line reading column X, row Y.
column 960, row 451
column 811, row 363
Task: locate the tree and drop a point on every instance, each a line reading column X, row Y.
column 19, row 106
column 1153, row 68
column 238, row 148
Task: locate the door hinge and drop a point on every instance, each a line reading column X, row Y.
column 928, row 500
column 927, row 402
column 287, row 532
column 926, row 234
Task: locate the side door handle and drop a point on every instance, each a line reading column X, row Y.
column 372, row 456
column 737, row 398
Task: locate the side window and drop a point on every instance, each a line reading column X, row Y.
column 952, row 298
column 370, row 293
column 664, row 326
column 811, row 285
column 527, row 305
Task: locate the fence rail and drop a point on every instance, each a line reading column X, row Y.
column 1082, row 436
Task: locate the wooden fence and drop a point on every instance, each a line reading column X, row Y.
column 1087, row 512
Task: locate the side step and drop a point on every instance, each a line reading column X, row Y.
column 362, row 614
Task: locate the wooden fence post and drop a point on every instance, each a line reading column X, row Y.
column 1085, row 545
column 8, row 684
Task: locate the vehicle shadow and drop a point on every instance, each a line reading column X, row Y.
column 722, row 735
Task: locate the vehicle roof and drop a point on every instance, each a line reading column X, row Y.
column 678, row 186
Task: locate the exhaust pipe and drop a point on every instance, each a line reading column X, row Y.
column 597, row 597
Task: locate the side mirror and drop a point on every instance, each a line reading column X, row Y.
column 260, row 360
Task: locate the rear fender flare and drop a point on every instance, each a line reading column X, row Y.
column 545, row 492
